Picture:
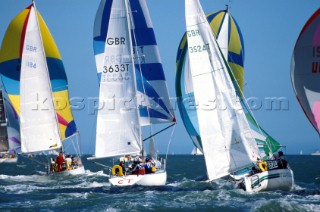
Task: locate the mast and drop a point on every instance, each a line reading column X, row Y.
column 129, row 22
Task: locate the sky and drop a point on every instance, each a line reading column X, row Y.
column 269, row 28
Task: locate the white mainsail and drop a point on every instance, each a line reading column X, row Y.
column 38, row 120
column 118, row 129
column 228, row 144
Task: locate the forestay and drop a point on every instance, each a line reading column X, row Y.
column 227, row 142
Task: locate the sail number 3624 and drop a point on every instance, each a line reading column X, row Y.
column 116, row 68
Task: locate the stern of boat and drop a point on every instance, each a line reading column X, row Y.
column 277, row 179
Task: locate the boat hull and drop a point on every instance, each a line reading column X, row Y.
column 277, row 179
column 9, row 160
column 317, row 153
column 77, row 171
column 155, row 179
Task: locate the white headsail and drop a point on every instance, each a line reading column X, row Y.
column 118, row 128
column 38, row 120
column 228, row 143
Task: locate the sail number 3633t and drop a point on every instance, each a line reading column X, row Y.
column 116, row 68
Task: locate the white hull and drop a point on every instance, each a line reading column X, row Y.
column 317, row 153
column 277, row 179
column 9, row 160
column 77, row 171
column 155, row 179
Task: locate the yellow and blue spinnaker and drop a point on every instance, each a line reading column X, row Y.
column 10, row 62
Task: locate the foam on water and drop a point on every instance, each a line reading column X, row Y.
column 98, row 173
column 27, row 178
column 186, row 189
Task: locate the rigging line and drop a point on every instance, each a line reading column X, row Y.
column 34, row 160
column 47, row 70
column 171, row 137
column 130, row 26
column 78, row 143
column 72, row 140
column 244, row 100
column 241, row 96
column 93, row 130
column 139, row 61
column 100, row 164
column 159, row 132
column 228, row 70
column 74, row 147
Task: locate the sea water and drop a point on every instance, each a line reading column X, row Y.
column 26, row 186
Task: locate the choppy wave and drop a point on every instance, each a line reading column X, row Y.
column 186, row 189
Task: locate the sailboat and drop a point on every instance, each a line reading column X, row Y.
column 196, row 151
column 228, row 34
column 133, row 88
column 305, row 70
column 229, row 37
column 228, row 142
column 34, row 78
column 9, row 132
